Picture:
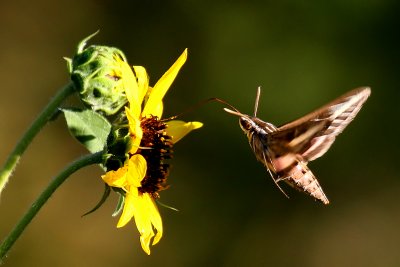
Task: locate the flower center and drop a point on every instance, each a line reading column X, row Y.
column 156, row 148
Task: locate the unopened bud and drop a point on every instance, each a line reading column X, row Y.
column 97, row 72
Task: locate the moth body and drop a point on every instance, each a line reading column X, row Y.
column 289, row 168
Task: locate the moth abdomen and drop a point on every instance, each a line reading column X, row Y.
column 299, row 176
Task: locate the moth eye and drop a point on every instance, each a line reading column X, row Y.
column 245, row 124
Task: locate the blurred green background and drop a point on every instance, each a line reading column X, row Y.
column 302, row 53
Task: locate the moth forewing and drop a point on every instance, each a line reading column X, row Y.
column 286, row 150
column 355, row 97
column 331, row 118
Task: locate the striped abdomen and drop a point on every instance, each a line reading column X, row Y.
column 300, row 177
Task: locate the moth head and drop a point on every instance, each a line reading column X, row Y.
column 245, row 121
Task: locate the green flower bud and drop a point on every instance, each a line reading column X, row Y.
column 118, row 145
column 97, row 72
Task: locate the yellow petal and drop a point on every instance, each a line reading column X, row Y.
column 142, row 80
column 142, row 213
column 135, row 130
column 178, row 129
column 131, row 89
column 147, row 217
column 162, row 86
column 137, row 167
column 131, row 199
column 116, row 178
column 158, row 109
column 145, row 241
column 156, row 220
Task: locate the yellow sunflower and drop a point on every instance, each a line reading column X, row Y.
column 144, row 173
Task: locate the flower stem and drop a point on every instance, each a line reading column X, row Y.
column 47, row 113
column 44, row 196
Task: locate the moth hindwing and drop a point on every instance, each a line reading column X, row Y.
column 286, row 150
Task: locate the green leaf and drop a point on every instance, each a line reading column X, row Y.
column 88, row 127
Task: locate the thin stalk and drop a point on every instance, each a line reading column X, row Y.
column 46, row 115
column 44, row 196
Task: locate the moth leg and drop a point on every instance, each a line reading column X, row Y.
column 282, row 178
column 272, row 175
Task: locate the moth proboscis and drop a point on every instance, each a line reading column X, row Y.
column 286, row 150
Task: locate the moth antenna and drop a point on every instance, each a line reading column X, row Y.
column 199, row 104
column 257, row 99
column 272, row 176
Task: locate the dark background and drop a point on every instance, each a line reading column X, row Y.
column 231, row 214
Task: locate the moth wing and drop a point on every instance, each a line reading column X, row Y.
column 312, row 135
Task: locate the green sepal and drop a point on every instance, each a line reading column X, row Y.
column 120, row 205
column 166, row 206
column 83, row 43
column 90, row 128
column 69, row 64
column 106, row 194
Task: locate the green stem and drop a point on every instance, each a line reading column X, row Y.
column 27, row 138
column 44, row 196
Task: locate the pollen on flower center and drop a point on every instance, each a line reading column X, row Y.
column 156, row 147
